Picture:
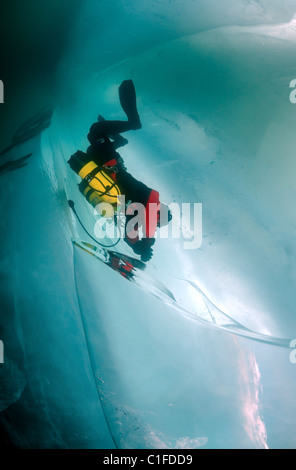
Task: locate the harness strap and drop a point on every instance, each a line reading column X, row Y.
column 92, row 175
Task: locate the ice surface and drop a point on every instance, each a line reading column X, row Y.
column 100, row 362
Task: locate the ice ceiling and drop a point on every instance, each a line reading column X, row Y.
column 92, row 360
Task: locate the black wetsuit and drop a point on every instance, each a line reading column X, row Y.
column 103, row 150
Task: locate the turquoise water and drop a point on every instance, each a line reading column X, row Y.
column 193, row 352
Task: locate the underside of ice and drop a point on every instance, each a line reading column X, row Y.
column 190, row 349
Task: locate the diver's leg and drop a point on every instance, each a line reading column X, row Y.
column 128, row 101
column 102, row 129
column 117, row 127
column 118, row 140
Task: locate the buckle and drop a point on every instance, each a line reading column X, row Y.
column 112, row 169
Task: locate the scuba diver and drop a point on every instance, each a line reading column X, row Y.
column 104, row 138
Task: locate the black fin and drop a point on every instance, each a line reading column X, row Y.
column 128, row 101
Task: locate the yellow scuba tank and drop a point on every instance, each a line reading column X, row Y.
column 97, row 185
column 101, row 186
column 93, row 197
